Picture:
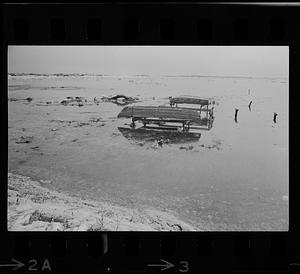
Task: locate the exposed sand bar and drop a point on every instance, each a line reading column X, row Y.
column 32, row 207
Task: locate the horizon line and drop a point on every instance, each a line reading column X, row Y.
column 163, row 75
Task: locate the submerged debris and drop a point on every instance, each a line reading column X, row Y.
column 28, row 99
column 95, row 119
column 25, row 140
column 120, row 99
column 187, row 147
column 74, row 101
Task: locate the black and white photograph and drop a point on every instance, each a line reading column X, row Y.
column 148, row 138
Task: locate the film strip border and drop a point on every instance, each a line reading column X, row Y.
column 151, row 24
column 136, row 252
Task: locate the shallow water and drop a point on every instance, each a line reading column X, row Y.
column 233, row 178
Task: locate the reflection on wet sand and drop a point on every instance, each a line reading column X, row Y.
column 151, row 135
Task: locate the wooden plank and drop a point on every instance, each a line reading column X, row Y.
column 157, row 120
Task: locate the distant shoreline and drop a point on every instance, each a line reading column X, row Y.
column 140, row 75
column 33, row 207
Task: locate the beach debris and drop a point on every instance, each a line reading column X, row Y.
column 45, row 181
column 28, row 99
column 79, row 98
column 160, row 142
column 96, row 101
column 120, row 99
column 53, row 129
column 155, row 145
column 80, row 124
column 73, row 101
column 25, row 140
column 186, row 147
column 274, row 117
column 75, row 140
column 35, row 148
column 95, row 119
column 235, row 114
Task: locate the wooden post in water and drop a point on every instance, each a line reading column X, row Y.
column 249, row 106
column 132, row 125
column 274, row 117
column 235, row 114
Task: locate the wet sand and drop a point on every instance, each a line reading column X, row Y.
column 235, row 177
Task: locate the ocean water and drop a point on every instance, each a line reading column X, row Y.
column 235, row 177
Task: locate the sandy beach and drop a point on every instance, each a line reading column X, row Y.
column 235, row 177
column 32, row 207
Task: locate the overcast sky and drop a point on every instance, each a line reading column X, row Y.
column 153, row 60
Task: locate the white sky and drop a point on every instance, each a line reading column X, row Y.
column 265, row 61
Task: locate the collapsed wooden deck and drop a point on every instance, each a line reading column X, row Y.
column 161, row 112
column 160, row 115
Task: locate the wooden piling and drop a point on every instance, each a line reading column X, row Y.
column 235, row 114
column 274, row 117
column 249, row 106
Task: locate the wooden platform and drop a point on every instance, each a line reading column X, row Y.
column 186, row 99
column 162, row 112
